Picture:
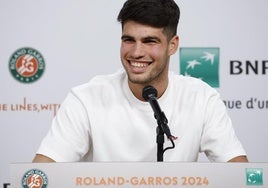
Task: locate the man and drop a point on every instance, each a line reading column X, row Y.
column 107, row 119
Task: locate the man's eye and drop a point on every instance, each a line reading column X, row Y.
column 150, row 41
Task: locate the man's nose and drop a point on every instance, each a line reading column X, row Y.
column 138, row 50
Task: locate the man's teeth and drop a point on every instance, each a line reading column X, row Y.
column 136, row 64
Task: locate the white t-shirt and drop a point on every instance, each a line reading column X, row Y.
column 103, row 121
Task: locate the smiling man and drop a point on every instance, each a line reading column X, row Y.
column 145, row 53
column 107, row 119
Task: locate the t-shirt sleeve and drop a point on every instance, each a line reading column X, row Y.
column 68, row 139
column 219, row 141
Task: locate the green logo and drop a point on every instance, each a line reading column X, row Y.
column 26, row 65
column 254, row 176
column 202, row 63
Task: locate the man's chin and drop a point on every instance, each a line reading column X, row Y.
column 138, row 80
column 141, row 78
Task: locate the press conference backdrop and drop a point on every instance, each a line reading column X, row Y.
column 66, row 43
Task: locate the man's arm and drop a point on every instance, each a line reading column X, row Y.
column 239, row 159
column 42, row 159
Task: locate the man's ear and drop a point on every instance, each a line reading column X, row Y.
column 173, row 45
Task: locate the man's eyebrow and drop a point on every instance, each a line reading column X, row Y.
column 126, row 37
column 151, row 38
column 148, row 38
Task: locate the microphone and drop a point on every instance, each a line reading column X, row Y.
column 149, row 93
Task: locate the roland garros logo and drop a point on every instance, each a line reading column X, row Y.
column 34, row 179
column 26, row 65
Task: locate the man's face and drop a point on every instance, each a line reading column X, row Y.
column 145, row 53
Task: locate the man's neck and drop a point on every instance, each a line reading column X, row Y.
column 137, row 88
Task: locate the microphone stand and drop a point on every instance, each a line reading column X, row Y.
column 160, row 143
column 160, row 138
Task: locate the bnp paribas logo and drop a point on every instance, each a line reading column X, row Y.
column 202, row 63
column 254, row 176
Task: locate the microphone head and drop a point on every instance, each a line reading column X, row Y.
column 149, row 91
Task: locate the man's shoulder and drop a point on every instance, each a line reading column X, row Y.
column 101, row 82
column 189, row 84
column 188, row 81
